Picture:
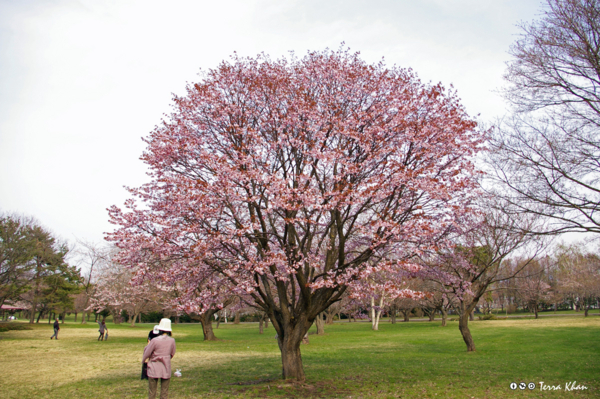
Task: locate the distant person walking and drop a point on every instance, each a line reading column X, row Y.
column 56, row 329
column 102, row 330
column 158, row 353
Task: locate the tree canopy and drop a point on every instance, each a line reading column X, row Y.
column 289, row 179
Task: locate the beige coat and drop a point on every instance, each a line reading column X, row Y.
column 159, row 353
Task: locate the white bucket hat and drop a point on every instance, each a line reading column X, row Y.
column 164, row 325
column 155, row 331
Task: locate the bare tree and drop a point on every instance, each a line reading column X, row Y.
column 579, row 276
column 532, row 286
column 548, row 154
column 90, row 258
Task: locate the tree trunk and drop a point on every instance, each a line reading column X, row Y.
column 472, row 315
column 291, row 361
column 432, row 315
column 266, row 321
column 535, row 311
column 261, row 322
column 585, row 311
column 116, row 317
column 329, row 318
column 206, row 321
column 289, row 337
column 463, row 326
column 32, row 315
column 218, row 320
column 132, row 319
column 320, row 324
column 406, row 313
column 236, row 319
column 444, row 316
column 376, row 313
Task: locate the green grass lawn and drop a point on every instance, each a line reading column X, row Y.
column 406, row 360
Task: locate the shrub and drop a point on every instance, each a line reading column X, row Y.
column 4, row 327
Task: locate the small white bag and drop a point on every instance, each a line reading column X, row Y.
column 177, row 373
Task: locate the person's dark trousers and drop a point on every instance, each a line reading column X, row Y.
column 55, row 334
column 164, row 387
column 101, row 337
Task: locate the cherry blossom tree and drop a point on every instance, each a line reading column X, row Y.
column 379, row 290
column 290, row 179
column 476, row 262
column 114, row 291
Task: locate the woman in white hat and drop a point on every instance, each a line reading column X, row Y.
column 159, row 352
column 153, row 333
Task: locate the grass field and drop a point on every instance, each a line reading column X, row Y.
column 405, row 360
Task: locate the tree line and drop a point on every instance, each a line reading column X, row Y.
column 34, row 272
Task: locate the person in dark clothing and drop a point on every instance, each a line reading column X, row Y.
column 56, row 328
column 102, row 330
column 153, row 333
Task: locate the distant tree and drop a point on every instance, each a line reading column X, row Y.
column 332, row 311
column 477, row 261
column 49, row 274
column 532, row 283
column 579, row 276
column 379, row 290
column 91, row 258
column 436, row 299
column 547, row 156
column 114, row 292
column 59, row 289
column 17, row 246
column 404, row 305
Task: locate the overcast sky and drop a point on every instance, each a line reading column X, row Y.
column 81, row 81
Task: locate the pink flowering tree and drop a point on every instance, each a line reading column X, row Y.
column 377, row 291
column 193, row 289
column 475, row 257
column 115, row 292
column 289, row 179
